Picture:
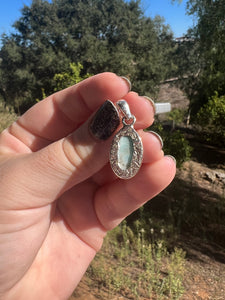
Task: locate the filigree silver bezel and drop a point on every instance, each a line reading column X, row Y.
column 137, row 157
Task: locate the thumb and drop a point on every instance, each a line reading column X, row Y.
column 44, row 175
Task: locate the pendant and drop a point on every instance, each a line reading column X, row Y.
column 126, row 150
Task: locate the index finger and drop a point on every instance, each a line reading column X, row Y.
column 61, row 113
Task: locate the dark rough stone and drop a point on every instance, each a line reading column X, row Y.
column 105, row 121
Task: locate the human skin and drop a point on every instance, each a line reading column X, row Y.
column 59, row 196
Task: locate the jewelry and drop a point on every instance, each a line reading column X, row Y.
column 126, row 153
column 105, row 121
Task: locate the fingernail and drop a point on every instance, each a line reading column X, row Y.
column 158, row 137
column 173, row 158
column 105, row 121
column 151, row 101
column 127, row 82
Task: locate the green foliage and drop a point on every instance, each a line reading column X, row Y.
column 157, row 273
column 66, row 79
column 211, row 118
column 175, row 143
column 177, row 116
column 176, row 274
column 200, row 61
column 201, row 58
column 109, row 35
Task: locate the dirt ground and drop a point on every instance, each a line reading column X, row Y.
column 205, row 264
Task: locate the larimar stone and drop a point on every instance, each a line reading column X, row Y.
column 125, row 152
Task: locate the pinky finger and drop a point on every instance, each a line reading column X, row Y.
column 115, row 201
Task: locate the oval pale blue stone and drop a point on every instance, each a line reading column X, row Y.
column 125, row 152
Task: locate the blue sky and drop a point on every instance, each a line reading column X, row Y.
column 174, row 14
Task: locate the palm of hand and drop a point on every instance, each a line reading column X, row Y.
column 49, row 251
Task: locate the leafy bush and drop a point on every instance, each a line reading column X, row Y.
column 177, row 116
column 175, row 144
column 65, row 79
column 211, row 119
column 72, row 76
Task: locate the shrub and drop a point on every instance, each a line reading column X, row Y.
column 72, row 76
column 175, row 143
column 211, row 119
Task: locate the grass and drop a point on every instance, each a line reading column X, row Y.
column 134, row 264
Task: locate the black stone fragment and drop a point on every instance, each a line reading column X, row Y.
column 105, row 121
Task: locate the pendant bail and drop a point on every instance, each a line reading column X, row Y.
column 125, row 109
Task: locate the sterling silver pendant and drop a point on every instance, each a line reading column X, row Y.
column 126, row 150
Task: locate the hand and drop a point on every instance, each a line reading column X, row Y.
column 58, row 195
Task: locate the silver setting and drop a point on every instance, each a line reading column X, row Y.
column 124, row 108
column 137, row 155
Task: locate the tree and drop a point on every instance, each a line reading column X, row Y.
column 202, row 56
column 29, row 56
column 65, row 79
column 102, row 35
column 211, row 118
